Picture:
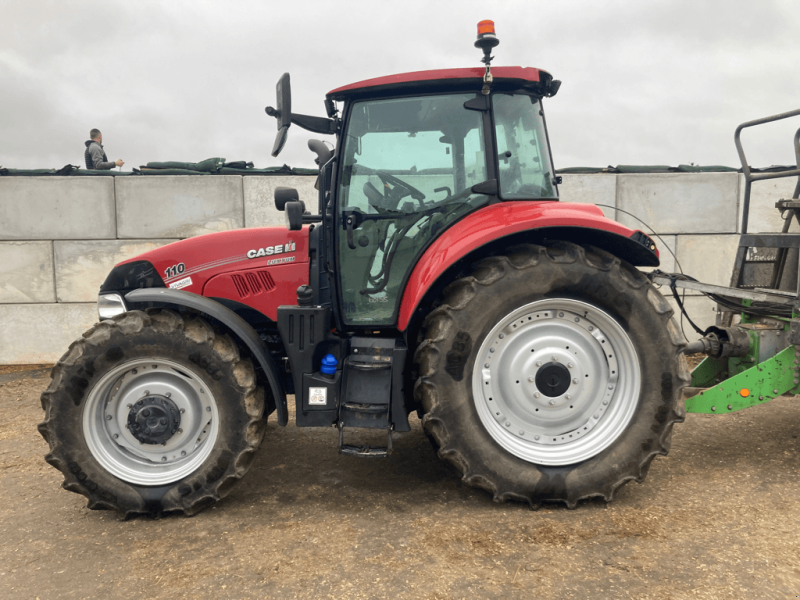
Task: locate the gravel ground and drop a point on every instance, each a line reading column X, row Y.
column 718, row 518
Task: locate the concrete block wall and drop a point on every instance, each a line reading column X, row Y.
column 60, row 236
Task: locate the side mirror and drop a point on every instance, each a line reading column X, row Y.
column 284, row 98
column 283, row 113
column 284, row 195
column 294, row 215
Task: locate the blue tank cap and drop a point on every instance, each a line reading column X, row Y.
column 329, row 363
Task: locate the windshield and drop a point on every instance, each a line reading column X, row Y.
column 523, row 160
column 408, row 168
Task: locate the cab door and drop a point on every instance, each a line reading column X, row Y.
column 408, row 168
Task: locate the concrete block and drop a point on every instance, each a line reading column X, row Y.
column 45, row 208
column 26, row 272
column 178, row 206
column 764, row 217
column 679, row 202
column 591, row 189
column 700, row 309
column 665, row 244
column 81, row 267
column 41, row 333
column 708, row 258
column 259, row 198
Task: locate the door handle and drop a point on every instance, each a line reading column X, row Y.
column 349, row 228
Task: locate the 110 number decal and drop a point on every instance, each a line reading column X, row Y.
column 175, row 270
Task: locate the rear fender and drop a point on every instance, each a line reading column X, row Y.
column 235, row 324
column 499, row 225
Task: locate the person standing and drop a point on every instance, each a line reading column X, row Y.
column 95, row 156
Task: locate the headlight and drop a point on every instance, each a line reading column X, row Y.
column 110, row 305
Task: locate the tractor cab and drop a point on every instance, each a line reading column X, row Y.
column 428, row 150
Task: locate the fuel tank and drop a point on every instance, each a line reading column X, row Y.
column 261, row 267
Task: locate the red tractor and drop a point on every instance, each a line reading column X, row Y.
column 439, row 274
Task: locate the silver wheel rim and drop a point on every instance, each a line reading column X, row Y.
column 106, row 417
column 556, row 425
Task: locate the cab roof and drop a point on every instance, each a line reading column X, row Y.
column 518, row 77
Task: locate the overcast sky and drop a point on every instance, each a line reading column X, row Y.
column 644, row 82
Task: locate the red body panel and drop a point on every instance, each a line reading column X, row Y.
column 261, row 267
column 519, row 73
column 488, row 224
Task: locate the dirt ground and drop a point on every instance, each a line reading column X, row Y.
column 718, row 518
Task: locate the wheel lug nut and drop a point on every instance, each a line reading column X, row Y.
column 108, row 417
column 538, row 363
column 147, row 392
column 536, row 437
column 163, row 459
column 570, row 365
column 554, row 358
column 530, row 379
column 560, row 314
column 552, row 402
column 168, row 394
column 536, row 394
column 183, row 410
column 567, row 396
column 146, row 412
column 575, row 381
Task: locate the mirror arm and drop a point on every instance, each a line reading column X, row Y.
column 316, row 124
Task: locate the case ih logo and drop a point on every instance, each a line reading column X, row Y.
column 270, row 250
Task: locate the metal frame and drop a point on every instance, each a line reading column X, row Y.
column 749, row 178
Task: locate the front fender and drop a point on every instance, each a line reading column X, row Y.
column 582, row 223
column 238, row 326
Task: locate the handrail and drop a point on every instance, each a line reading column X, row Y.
column 750, row 178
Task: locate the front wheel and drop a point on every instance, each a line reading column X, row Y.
column 152, row 412
column 551, row 374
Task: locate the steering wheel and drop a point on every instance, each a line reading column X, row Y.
column 406, row 189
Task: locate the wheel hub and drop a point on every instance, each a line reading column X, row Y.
column 154, row 419
column 553, row 379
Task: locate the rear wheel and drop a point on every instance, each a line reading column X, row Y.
column 551, row 374
column 152, row 413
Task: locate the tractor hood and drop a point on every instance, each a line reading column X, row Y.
column 260, row 267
